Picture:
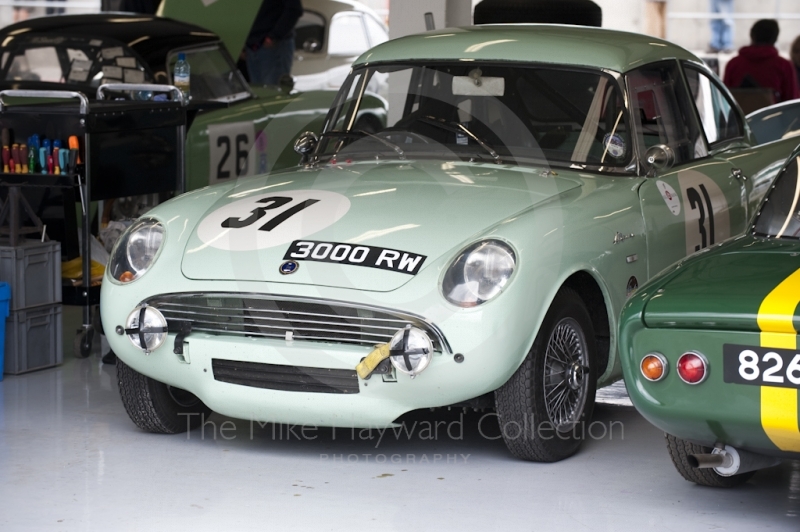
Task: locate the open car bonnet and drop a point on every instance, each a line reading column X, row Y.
column 365, row 226
column 230, row 19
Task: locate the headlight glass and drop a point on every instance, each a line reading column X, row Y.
column 136, row 250
column 479, row 273
column 150, row 328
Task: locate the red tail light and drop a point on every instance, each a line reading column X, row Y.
column 692, row 368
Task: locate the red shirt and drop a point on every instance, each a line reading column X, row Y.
column 763, row 64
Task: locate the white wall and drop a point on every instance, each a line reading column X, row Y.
column 407, row 16
column 695, row 33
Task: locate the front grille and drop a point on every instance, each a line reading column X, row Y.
column 297, row 319
column 286, row 378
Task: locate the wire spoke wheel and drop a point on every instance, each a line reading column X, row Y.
column 552, row 391
column 566, row 362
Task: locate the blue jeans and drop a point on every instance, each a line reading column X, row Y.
column 722, row 28
column 267, row 65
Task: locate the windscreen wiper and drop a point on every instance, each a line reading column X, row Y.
column 361, row 133
column 456, row 127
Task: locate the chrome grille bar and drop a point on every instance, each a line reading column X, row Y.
column 189, row 315
column 307, row 319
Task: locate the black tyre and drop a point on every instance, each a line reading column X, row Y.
column 679, row 451
column 155, row 407
column 575, row 12
column 544, row 407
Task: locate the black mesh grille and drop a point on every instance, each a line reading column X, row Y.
column 286, row 378
column 274, row 317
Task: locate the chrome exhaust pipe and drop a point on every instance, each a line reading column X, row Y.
column 709, row 461
column 729, row 461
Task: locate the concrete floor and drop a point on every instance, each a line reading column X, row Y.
column 71, row 460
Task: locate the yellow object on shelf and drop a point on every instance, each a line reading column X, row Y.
column 73, row 270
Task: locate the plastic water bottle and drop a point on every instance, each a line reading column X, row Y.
column 180, row 75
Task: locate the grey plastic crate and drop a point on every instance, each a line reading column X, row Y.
column 33, row 339
column 33, row 270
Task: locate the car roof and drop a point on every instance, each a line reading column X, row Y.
column 328, row 8
column 150, row 36
column 546, row 43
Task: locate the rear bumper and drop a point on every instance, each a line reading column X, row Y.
column 710, row 412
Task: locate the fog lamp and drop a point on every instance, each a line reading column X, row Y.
column 410, row 350
column 654, row 367
column 692, row 368
column 146, row 328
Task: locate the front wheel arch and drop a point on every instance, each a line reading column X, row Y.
column 558, row 372
column 593, row 297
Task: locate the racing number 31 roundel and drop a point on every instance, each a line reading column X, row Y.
column 271, row 219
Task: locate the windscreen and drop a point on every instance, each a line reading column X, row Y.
column 213, row 75
column 79, row 61
column 780, row 213
column 499, row 112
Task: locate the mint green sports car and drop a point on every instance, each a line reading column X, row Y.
column 476, row 251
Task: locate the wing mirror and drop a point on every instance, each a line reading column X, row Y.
column 659, row 157
column 305, row 144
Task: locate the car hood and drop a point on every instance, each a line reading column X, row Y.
column 230, row 19
column 419, row 210
column 724, row 288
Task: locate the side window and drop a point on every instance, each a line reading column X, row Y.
column 716, row 112
column 309, row 32
column 663, row 113
column 347, row 35
column 377, row 33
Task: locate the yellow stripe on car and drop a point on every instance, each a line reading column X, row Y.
column 779, row 405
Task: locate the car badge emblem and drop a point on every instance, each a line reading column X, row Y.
column 288, row 267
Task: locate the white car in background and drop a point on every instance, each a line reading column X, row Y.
column 329, row 36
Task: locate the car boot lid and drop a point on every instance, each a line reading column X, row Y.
column 724, row 288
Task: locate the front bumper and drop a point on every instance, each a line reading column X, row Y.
column 492, row 346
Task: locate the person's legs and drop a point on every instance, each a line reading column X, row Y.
column 726, row 25
column 284, row 51
column 255, row 61
column 716, row 25
column 267, row 65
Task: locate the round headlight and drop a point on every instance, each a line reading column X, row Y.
column 147, row 328
column 136, row 250
column 479, row 273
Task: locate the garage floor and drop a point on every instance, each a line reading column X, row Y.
column 70, row 459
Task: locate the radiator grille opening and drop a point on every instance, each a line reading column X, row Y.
column 304, row 319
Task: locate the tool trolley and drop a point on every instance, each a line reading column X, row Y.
column 126, row 147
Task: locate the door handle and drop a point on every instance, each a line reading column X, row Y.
column 737, row 173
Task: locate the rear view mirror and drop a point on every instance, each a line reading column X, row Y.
column 477, row 85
